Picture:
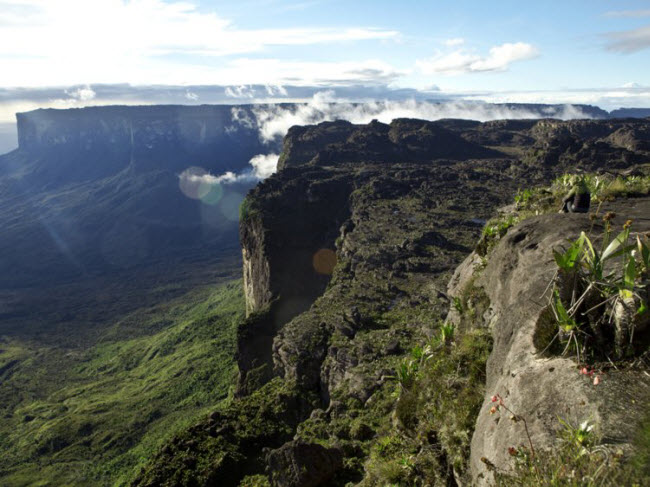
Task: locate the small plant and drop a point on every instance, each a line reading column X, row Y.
column 458, row 304
column 447, row 333
column 418, row 353
column 523, row 196
column 605, row 289
column 493, row 231
column 406, row 374
column 498, row 403
column 569, row 331
column 579, row 438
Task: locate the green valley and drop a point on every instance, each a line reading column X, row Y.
column 92, row 416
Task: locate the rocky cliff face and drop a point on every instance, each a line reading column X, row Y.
column 113, row 173
column 148, row 138
column 348, row 250
column 539, row 387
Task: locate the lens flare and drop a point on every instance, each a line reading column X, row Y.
column 213, row 195
column 230, row 205
column 324, row 261
column 195, row 182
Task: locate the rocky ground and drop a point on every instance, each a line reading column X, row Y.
column 348, row 251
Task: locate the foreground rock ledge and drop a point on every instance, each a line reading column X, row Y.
column 538, row 388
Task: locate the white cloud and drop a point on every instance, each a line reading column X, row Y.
column 629, row 41
column 82, row 94
column 304, row 73
column 274, row 121
column 196, row 182
column 44, row 42
column 463, row 61
column 240, row 91
column 628, row 13
column 191, row 96
column 264, row 165
column 456, row 41
column 278, row 90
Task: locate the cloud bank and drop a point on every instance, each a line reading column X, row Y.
column 274, row 121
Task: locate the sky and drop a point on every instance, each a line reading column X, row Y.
column 68, row 53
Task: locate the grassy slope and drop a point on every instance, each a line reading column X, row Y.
column 92, row 417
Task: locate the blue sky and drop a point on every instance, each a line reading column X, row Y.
column 55, row 53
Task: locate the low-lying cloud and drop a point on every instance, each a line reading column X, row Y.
column 196, row 182
column 274, row 121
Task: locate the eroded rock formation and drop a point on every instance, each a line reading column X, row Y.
column 400, row 206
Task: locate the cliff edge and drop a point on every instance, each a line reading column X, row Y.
column 346, row 361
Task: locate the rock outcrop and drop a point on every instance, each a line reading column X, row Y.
column 297, row 464
column 536, row 386
column 347, row 257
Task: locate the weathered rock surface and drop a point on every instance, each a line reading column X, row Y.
column 397, row 229
column 537, row 387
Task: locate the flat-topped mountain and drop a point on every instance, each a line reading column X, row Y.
column 97, row 189
column 347, row 259
column 98, row 141
column 114, row 336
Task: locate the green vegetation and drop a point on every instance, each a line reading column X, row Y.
column 601, row 296
column 436, row 413
column 579, row 460
column 93, row 417
column 539, row 201
column 226, row 446
column 246, row 209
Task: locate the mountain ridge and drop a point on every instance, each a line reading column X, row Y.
column 336, row 349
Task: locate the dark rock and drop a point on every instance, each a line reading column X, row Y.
column 335, row 408
column 393, row 348
column 297, row 464
column 361, row 431
column 318, row 415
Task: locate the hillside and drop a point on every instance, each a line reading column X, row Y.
column 124, row 353
column 118, row 310
column 90, row 416
column 348, row 252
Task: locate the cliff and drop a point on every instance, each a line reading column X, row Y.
column 540, row 386
column 113, row 173
column 348, row 251
column 146, row 137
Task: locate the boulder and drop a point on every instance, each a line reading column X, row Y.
column 298, row 464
